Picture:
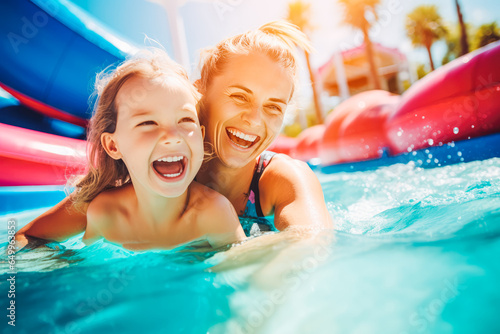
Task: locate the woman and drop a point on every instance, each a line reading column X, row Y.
column 246, row 81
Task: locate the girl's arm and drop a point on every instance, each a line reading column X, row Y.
column 58, row 224
column 293, row 190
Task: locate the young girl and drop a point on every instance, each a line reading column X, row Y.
column 146, row 146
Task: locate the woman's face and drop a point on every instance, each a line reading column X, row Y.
column 244, row 107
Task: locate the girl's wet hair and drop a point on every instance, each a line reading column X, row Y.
column 103, row 171
column 277, row 39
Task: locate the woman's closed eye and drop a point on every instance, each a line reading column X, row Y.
column 275, row 108
column 239, row 97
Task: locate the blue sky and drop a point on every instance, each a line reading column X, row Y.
column 208, row 21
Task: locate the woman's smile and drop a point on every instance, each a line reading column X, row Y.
column 240, row 138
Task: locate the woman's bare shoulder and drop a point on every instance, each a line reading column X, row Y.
column 284, row 168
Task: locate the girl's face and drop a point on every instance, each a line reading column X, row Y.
column 158, row 135
column 244, row 107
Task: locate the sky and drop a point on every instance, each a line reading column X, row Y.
column 208, row 21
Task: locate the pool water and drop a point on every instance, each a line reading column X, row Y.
column 414, row 251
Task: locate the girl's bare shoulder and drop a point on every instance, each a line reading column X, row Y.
column 111, row 202
column 203, row 197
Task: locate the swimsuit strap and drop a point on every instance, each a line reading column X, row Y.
column 264, row 160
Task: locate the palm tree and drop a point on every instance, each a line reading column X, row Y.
column 464, row 43
column 299, row 14
column 355, row 11
column 424, row 26
column 486, row 34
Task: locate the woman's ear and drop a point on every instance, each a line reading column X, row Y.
column 202, row 127
column 109, row 144
column 197, row 85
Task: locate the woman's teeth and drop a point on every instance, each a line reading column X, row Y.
column 243, row 136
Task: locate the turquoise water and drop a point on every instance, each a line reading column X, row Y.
column 414, row 251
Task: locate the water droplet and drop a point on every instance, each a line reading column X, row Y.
column 400, row 133
column 455, row 130
column 431, row 141
column 414, row 153
column 448, row 156
column 408, row 149
column 367, row 147
column 472, row 126
column 428, row 161
column 452, row 144
column 461, row 159
column 459, row 153
column 436, row 161
column 426, row 151
column 430, row 156
column 423, row 117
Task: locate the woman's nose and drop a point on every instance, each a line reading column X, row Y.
column 253, row 116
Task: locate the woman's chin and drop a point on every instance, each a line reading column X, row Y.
column 234, row 159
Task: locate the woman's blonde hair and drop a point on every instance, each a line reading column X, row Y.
column 103, row 171
column 277, row 39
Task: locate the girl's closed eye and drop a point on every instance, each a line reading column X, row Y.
column 187, row 119
column 145, row 123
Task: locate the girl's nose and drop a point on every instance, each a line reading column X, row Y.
column 171, row 136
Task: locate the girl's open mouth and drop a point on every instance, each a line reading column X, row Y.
column 171, row 168
column 241, row 139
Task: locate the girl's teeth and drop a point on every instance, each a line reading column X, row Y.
column 171, row 159
column 171, row 175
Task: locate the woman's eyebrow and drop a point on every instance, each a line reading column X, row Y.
column 249, row 91
column 274, row 99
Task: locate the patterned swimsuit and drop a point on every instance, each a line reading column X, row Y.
column 253, row 220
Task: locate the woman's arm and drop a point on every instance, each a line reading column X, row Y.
column 220, row 223
column 293, row 190
column 58, row 224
